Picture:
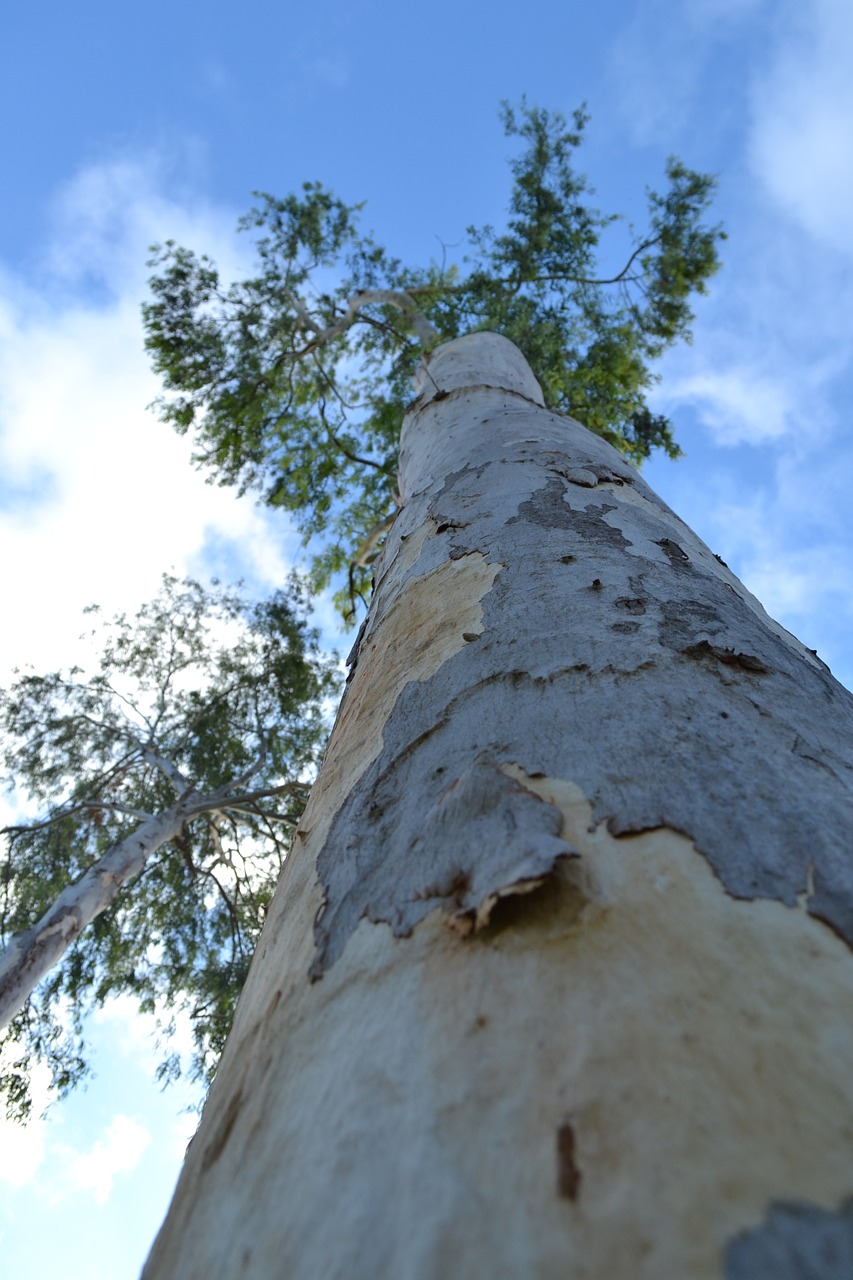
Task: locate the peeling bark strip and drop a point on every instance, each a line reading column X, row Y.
column 484, row 837
column 573, row 736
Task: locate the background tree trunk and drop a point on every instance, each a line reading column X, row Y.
column 558, row 980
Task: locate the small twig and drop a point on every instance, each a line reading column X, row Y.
column 353, row 457
column 81, row 807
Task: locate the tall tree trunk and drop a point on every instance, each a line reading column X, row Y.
column 558, row 980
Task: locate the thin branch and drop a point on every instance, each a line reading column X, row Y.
column 364, row 556
column 134, row 708
column 305, row 317
column 233, row 916
column 401, row 299
column 286, row 818
column 253, row 768
column 353, row 457
column 221, row 799
column 81, row 807
column 463, row 286
column 331, row 384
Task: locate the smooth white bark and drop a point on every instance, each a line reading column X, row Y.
column 547, row 988
column 29, row 956
column 32, row 954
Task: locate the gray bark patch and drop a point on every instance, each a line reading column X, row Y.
column 797, row 1241
column 548, row 509
column 483, row 835
column 611, row 657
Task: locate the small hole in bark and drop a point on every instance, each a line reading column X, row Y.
column 567, row 559
column 596, row 584
column 568, row 1174
column 470, row 635
column 556, row 903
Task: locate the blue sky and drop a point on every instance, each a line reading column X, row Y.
column 125, row 125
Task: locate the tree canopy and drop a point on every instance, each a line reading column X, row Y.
column 205, row 709
column 293, row 382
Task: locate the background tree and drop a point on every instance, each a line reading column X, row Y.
column 294, row 381
column 182, row 764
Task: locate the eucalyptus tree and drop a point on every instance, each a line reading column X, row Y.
column 558, row 982
column 293, row 382
column 166, row 787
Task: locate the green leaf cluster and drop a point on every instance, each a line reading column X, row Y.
column 293, row 382
column 203, row 692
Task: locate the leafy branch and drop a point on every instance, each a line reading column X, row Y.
column 157, row 777
column 330, row 315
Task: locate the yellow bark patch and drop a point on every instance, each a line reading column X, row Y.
column 700, row 1047
column 424, row 623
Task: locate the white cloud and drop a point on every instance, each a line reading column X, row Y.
column 711, row 67
column 118, row 1151
column 802, row 108
column 107, row 216
column 98, row 497
column 660, row 60
column 736, row 404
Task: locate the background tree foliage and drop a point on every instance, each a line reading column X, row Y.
column 203, row 696
column 293, row 382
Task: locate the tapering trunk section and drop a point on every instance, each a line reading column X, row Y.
column 558, row 979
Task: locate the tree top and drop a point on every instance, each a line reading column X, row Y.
column 293, row 382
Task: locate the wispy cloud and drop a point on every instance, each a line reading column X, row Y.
column 737, row 405
column 99, row 497
column 661, row 60
column 118, row 1151
column 802, row 106
column 330, row 71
